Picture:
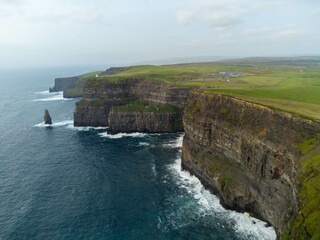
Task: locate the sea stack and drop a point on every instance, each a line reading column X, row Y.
column 47, row 118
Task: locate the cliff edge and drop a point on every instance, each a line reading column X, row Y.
column 256, row 159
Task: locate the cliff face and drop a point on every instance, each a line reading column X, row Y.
column 98, row 100
column 72, row 87
column 61, row 84
column 91, row 113
column 147, row 106
column 247, row 154
column 144, row 121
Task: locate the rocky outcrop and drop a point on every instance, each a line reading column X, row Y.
column 247, row 154
column 102, row 97
column 47, row 117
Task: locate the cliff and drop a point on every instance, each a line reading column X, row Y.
column 131, row 105
column 61, row 84
column 146, row 119
column 255, row 159
column 258, row 159
column 72, row 87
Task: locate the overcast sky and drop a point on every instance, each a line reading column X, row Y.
column 90, row 32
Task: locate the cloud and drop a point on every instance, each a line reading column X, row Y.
column 316, row 11
column 5, row 13
column 222, row 20
column 216, row 15
column 221, row 15
column 254, row 32
column 185, row 17
column 52, row 11
column 80, row 15
column 11, row 1
column 287, row 34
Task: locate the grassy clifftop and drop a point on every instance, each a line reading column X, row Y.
column 77, row 90
column 291, row 84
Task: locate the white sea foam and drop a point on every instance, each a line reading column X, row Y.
column 69, row 124
column 121, row 135
column 80, row 129
column 85, row 129
column 100, row 128
column 144, row 144
column 244, row 225
column 55, row 96
column 176, row 143
column 57, row 124
column 43, row 92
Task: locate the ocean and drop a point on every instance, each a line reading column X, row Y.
column 62, row 182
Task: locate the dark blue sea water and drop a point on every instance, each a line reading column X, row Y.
column 62, row 182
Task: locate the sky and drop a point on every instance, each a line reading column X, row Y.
column 103, row 32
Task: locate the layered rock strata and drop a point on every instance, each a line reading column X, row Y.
column 247, row 154
column 144, row 121
column 157, row 106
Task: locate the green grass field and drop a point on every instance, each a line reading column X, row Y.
column 290, row 84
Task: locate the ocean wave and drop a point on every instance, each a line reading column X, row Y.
column 99, row 128
column 85, row 129
column 176, row 143
column 121, row 135
column 55, row 96
column 43, row 92
column 57, row 124
column 244, row 225
column 69, row 124
column 144, row 144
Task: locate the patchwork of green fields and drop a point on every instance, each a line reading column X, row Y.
column 290, row 84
